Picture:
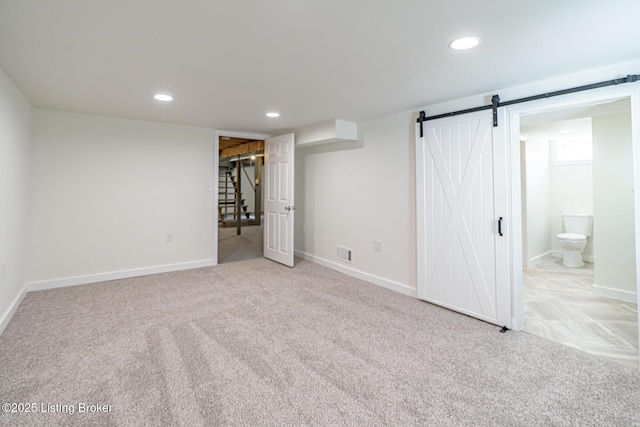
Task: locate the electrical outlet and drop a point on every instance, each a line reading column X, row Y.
column 169, row 237
column 377, row 245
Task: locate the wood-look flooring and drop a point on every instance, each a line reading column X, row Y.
column 559, row 305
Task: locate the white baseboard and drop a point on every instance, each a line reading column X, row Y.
column 617, row 294
column 536, row 259
column 116, row 275
column 6, row 317
column 394, row 286
column 96, row 278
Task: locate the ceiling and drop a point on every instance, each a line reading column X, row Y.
column 229, row 142
column 227, row 63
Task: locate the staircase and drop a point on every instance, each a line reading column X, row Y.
column 227, row 201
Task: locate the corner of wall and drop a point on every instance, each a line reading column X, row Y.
column 15, row 167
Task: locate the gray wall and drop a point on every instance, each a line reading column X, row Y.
column 614, row 205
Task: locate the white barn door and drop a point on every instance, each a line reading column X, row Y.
column 278, row 204
column 463, row 261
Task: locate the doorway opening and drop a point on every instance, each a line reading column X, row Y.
column 578, row 163
column 239, row 210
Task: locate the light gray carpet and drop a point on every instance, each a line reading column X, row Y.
column 254, row 343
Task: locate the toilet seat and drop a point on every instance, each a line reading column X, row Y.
column 574, row 237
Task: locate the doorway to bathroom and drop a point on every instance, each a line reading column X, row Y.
column 579, row 161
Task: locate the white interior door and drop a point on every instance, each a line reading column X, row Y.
column 463, row 261
column 278, row 205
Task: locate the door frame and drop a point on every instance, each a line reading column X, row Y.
column 214, row 177
column 513, row 113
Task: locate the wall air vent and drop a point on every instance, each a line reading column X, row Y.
column 343, row 254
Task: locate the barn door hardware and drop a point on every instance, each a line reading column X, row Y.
column 421, row 119
column 495, row 99
column 495, row 103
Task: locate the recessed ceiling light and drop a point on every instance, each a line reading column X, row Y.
column 163, row 97
column 464, row 43
column 273, row 114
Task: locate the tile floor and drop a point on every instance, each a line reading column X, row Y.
column 559, row 305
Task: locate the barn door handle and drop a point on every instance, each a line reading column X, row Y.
column 500, row 226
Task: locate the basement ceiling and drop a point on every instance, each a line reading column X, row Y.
column 227, row 63
column 228, row 142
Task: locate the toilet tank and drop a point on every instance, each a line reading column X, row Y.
column 577, row 223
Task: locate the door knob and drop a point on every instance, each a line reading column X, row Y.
column 290, row 208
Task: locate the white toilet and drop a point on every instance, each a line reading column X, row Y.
column 577, row 228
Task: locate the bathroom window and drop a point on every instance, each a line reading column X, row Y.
column 573, row 152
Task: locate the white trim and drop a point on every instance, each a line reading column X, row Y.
column 8, row 315
column 216, row 163
column 617, row 294
column 376, row 280
column 115, row 275
column 247, row 135
column 536, row 259
column 421, row 209
column 635, row 138
column 592, row 97
column 515, row 237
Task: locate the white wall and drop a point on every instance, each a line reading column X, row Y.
column 614, row 206
column 552, row 190
column 15, row 153
column 106, row 191
column 538, row 198
column 351, row 194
